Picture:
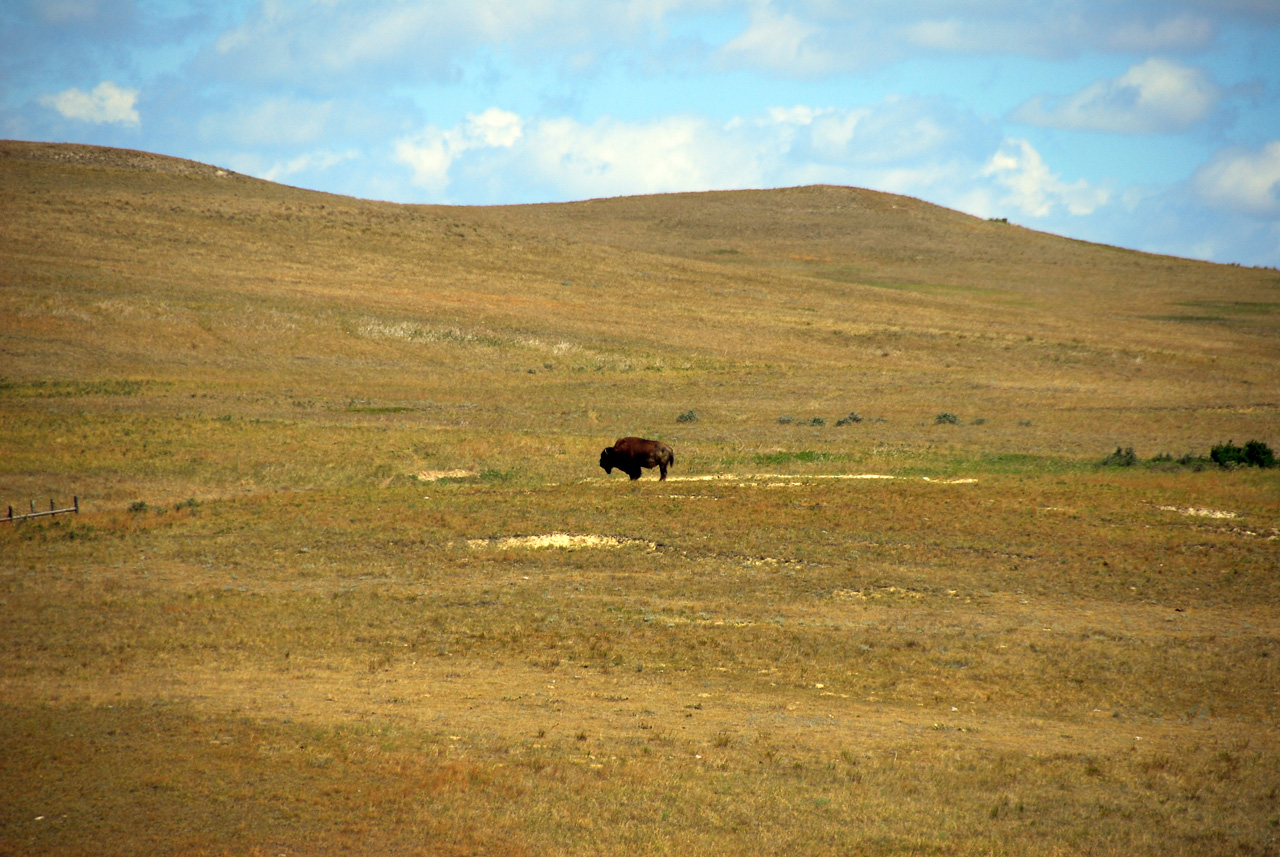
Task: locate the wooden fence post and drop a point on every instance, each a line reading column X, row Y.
column 53, row 510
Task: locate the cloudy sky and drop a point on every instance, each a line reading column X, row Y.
column 1152, row 124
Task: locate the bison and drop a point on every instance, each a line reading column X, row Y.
column 629, row 454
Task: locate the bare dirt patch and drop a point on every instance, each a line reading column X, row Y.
column 797, row 478
column 563, row 541
column 1197, row 512
column 437, row 475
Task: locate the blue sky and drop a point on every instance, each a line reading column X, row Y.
column 1145, row 124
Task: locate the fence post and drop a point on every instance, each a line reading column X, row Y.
column 53, row 510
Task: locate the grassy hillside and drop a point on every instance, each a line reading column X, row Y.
column 347, row 576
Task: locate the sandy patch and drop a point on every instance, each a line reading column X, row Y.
column 558, row 540
column 1199, row 513
column 434, row 475
column 774, row 480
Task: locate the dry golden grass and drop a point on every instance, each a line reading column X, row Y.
column 348, row 579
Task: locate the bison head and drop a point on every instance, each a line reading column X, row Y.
column 606, row 459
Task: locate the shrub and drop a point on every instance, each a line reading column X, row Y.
column 947, row 418
column 817, row 421
column 786, row 420
column 1259, row 454
column 689, row 416
column 138, row 507
column 1195, row 462
column 1121, row 458
column 1227, row 455
column 849, row 420
column 1255, row 453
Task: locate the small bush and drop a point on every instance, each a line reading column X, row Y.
column 947, row 419
column 817, row 421
column 1255, row 453
column 1195, row 462
column 1121, row 458
column 1227, row 455
column 1259, row 454
column 786, row 420
column 138, row 507
column 849, row 420
column 689, row 416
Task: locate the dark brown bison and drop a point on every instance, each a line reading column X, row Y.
column 629, row 454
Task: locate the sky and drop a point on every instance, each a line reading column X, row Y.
column 1148, row 124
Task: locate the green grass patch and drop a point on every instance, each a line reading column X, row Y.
column 803, row 456
column 72, row 389
column 380, row 409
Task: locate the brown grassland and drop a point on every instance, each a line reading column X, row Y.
column 304, row 608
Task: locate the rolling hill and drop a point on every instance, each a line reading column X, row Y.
column 346, row 577
column 834, row 299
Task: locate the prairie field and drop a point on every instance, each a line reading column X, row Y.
column 347, row 578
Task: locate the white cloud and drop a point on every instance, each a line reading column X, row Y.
column 62, row 12
column 563, row 158
column 979, row 33
column 1178, row 33
column 308, row 162
column 1033, row 189
column 432, row 152
column 106, row 104
column 1243, row 181
column 272, row 122
column 1155, row 97
column 611, row 157
column 924, row 147
column 334, row 44
column 904, row 130
column 779, row 42
column 429, row 155
column 330, row 44
column 798, row 115
column 494, row 128
column 325, row 47
column 1056, row 30
column 808, row 38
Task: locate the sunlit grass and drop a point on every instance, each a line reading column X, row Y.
column 348, row 579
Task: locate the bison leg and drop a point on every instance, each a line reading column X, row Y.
column 634, row 474
column 662, row 469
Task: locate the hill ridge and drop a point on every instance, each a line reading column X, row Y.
column 84, row 154
column 701, row 208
